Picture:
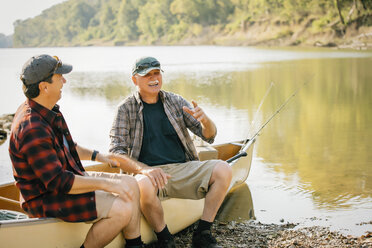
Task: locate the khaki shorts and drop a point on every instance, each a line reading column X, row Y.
column 188, row 180
column 104, row 200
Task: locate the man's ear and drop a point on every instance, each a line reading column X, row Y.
column 134, row 79
column 42, row 86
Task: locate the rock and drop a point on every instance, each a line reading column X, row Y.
column 3, row 134
column 5, row 126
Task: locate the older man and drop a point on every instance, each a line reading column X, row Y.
column 48, row 170
column 152, row 126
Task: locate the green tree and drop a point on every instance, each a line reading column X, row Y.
column 154, row 20
column 128, row 14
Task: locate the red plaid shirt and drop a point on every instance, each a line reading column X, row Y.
column 44, row 168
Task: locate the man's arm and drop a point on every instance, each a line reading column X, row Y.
column 38, row 148
column 208, row 127
column 157, row 176
column 84, row 184
column 86, row 154
column 125, row 162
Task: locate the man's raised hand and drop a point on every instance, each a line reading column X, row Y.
column 196, row 112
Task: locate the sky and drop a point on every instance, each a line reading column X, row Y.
column 12, row 10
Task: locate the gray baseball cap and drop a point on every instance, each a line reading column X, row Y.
column 144, row 65
column 40, row 67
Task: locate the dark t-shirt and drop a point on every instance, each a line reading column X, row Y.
column 160, row 144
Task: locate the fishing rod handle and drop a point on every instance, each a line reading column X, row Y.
column 239, row 155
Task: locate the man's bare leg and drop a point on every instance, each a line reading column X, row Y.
column 150, row 204
column 132, row 230
column 123, row 215
column 218, row 186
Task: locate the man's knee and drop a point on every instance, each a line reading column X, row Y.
column 131, row 182
column 222, row 172
column 121, row 211
column 147, row 189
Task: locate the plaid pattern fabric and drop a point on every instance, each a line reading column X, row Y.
column 127, row 130
column 44, row 168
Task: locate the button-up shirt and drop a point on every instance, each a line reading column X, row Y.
column 127, row 130
column 44, row 167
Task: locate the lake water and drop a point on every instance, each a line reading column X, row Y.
column 312, row 163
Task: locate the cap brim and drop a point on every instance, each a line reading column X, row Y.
column 145, row 71
column 64, row 69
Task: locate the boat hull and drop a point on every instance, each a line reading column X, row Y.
column 47, row 232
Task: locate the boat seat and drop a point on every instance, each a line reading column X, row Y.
column 206, row 152
column 12, row 215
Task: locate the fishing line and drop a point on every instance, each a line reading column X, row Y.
column 279, row 109
column 258, row 110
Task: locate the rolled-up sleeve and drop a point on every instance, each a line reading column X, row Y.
column 42, row 156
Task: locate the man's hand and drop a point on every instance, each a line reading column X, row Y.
column 157, row 176
column 119, row 187
column 196, row 112
column 208, row 128
column 111, row 160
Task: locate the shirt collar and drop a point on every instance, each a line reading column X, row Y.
column 48, row 115
column 139, row 101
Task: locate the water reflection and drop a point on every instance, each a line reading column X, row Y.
column 110, row 86
column 321, row 139
column 237, row 206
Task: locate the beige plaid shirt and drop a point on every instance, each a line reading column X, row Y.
column 127, row 130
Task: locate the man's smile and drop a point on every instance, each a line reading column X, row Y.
column 153, row 83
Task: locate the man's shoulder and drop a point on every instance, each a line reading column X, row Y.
column 27, row 119
column 172, row 96
column 128, row 101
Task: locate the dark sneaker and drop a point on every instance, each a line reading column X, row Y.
column 167, row 243
column 204, row 240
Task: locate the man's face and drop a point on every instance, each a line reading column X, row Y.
column 54, row 90
column 150, row 84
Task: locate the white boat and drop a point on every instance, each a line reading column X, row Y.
column 20, row 231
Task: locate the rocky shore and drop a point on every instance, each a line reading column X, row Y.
column 5, row 125
column 255, row 234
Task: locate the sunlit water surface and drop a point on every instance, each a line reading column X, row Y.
column 312, row 163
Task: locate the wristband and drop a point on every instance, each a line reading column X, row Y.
column 94, row 155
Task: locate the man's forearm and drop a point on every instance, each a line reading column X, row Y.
column 84, row 184
column 84, row 153
column 208, row 128
column 128, row 164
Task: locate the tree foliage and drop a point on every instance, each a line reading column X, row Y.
column 83, row 22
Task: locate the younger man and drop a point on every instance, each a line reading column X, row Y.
column 48, row 170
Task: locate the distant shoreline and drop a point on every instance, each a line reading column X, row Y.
column 262, row 34
column 361, row 41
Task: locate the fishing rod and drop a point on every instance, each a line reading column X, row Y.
column 242, row 153
column 280, row 108
column 258, row 110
